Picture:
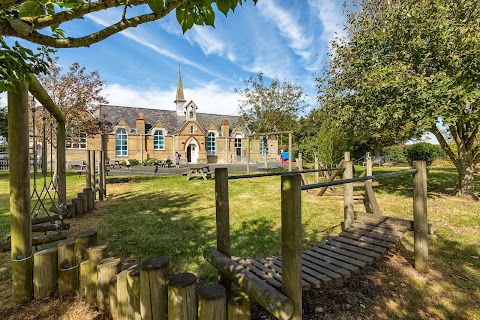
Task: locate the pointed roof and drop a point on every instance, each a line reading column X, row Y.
column 180, row 97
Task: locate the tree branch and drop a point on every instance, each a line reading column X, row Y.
column 35, row 37
column 10, row 4
column 444, row 144
column 473, row 137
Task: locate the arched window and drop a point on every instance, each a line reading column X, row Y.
column 121, row 143
column 211, row 144
column 158, row 140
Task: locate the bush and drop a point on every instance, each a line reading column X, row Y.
column 134, row 162
column 149, row 162
column 395, row 153
column 421, row 151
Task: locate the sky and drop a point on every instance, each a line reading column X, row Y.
column 285, row 39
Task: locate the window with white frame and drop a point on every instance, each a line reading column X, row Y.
column 264, row 145
column 121, row 142
column 76, row 141
column 158, row 140
column 211, row 144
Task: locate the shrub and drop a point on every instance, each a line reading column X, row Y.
column 134, row 162
column 395, row 153
column 421, row 151
column 149, row 162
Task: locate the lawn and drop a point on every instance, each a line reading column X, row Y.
column 151, row 216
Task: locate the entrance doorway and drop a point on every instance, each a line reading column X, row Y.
column 192, row 151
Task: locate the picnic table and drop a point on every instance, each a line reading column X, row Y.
column 113, row 164
column 202, row 171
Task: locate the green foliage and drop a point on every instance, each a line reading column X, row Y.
column 396, row 153
column 134, row 162
column 268, row 108
column 421, row 151
column 4, row 123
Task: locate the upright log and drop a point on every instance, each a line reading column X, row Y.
column 92, row 174
column 122, row 295
column 88, row 279
column 182, row 297
column 420, row 216
column 101, row 176
column 19, row 176
column 248, row 154
column 89, row 194
column 238, row 306
column 84, row 197
column 112, row 297
column 68, row 280
column 154, row 274
column 222, row 217
column 78, row 203
column 61, row 162
column 316, row 168
column 84, row 240
column 290, row 152
column 45, row 272
column 66, row 253
column 292, row 241
column 96, row 253
column 348, row 210
column 133, row 292
column 106, row 269
column 88, row 168
column 212, row 302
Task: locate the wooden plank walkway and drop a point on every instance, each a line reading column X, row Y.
column 335, row 260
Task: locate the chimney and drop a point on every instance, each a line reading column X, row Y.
column 140, row 122
column 225, row 128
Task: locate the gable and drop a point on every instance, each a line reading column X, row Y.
column 186, row 129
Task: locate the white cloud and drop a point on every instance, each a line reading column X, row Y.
column 210, row 98
column 288, row 26
column 330, row 14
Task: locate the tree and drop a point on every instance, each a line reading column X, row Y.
column 408, row 67
column 3, row 124
column 40, row 22
column 268, row 108
column 78, row 94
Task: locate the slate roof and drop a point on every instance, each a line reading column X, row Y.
column 169, row 118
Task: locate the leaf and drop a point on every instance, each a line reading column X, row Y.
column 156, row 6
column 223, row 6
column 31, row 8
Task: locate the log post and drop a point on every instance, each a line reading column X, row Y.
column 316, row 168
column 96, row 253
column 112, row 297
column 84, row 240
column 346, row 156
column 78, row 204
column 88, row 279
column 122, row 295
column 290, row 152
column 292, row 241
column 222, row 217
column 66, row 253
column 88, row 168
column 84, row 197
column 238, row 306
column 154, row 274
column 248, row 154
column 101, row 176
column 68, row 280
column 133, row 292
column 369, row 168
column 212, row 302
column 45, row 272
column 348, row 210
column 182, row 296
column 92, row 174
column 88, row 192
column 70, row 210
column 420, row 216
column 106, row 269
column 19, row 176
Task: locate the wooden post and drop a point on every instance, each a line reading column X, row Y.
column 122, row 295
column 101, row 176
column 238, row 306
column 78, row 203
column 83, row 196
column 292, row 241
column 106, row 269
column 368, row 169
column 112, row 297
column 182, row 296
column 19, row 175
column 92, row 173
column 222, row 217
column 96, row 253
column 88, row 193
column 346, row 156
column 316, row 168
column 70, row 210
column 84, row 240
column 88, row 168
column 348, row 211
column 66, row 253
column 88, row 280
column 289, row 151
column 248, row 154
column 61, row 163
column 153, row 288
column 212, row 302
column 300, row 161
column 420, row 216
column 68, row 280
column 45, row 272
column 133, row 292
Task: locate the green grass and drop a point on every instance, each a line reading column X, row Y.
column 169, row 216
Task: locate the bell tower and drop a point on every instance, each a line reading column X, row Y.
column 180, row 99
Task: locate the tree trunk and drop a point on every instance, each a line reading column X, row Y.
column 466, row 184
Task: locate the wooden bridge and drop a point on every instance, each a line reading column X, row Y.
column 277, row 283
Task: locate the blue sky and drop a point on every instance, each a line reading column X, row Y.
column 288, row 39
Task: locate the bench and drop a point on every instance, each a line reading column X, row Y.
column 77, row 166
